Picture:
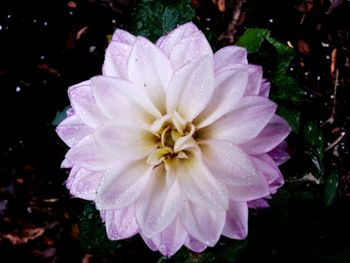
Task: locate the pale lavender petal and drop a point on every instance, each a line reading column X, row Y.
column 116, row 60
column 159, row 204
column 265, row 88
column 195, row 245
column 243, row 123
column 71, row 177
column 90, row 155
column 258, row 204
column 269, row 138
column 72, row 129
column 66, row 164
column 202, row 223
column 234, row 167
column 229, row 55
column 85, row 184
column 170, row 240
column 150, row 70
column 198, row 184
column 121, row 224
column 191, row 88
column 189, row 48
column 280, row 153
column 229, row 88
column 125, row 140
column 169, row 41
column 84, row 104
column 123, row 36
column 123, row 184
column 236, row 225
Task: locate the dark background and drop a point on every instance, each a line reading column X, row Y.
column 48, row 45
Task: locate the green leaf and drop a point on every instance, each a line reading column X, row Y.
column 252, row 39
column 292, row 116
column 330, row 190
column 153, row 19
column 313, row 134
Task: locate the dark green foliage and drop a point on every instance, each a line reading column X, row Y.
column 154, row 18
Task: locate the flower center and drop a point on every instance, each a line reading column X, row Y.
column 174, row 135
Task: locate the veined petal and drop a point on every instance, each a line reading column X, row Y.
column 236, row 225
column 202, row 223
column 191, row 88
column 125, row 140
column 150, row 70
column 170, row 240
column 169, row 41
column 72, row 129
column 197, row 183
column 229, row 55
column 84, row 104
column 269, row 138
column 243, row 123
column 121, row 224
column 123, row 184
column 159, row 204
column 229, row 163
column 85, row 184
column 90, row 155
column 230, row 86
column 120, row 98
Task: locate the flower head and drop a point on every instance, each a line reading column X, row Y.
column 174, row 142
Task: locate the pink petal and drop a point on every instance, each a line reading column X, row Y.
column 120, row 98
column 243, row 123
column 84, row 104
column 125, row 140
column 258, row 204
column 72, row 129
column 198, row 184
column 271, row 136
column 229, row 55
column 159, row 204
column 280, row 153
column 191, row 88
column 150, row 70
column 195, row 245
column 236, row 225
column 123, row 184
column 121, row 224
column 169, row 41
column 234, row 167
column 85, row 184
column 203, row 224
column 230, row 86
column 90, row 155
column 123, row 36
column 265, row 88
column 189, row 48
column 170, row 240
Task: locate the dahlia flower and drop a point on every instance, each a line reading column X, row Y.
column 174, row 142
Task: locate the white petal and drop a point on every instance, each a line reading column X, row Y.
column 120, row 98
column 121, row 224
column 198, row 184
column 90, row 155
column 243, row 123
column 122, row 185
column 159, row 204
column 86, row 183
column 72, row 129
column 203, row 224
column 236, row 225
column 230, row 86
column 123, row 36
column 150, row 70
column 116, row 60
column 229, row 55
column 84, row 104
column 191, row 88
column 125, row 140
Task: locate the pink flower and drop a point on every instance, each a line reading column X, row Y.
column 173, row 141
